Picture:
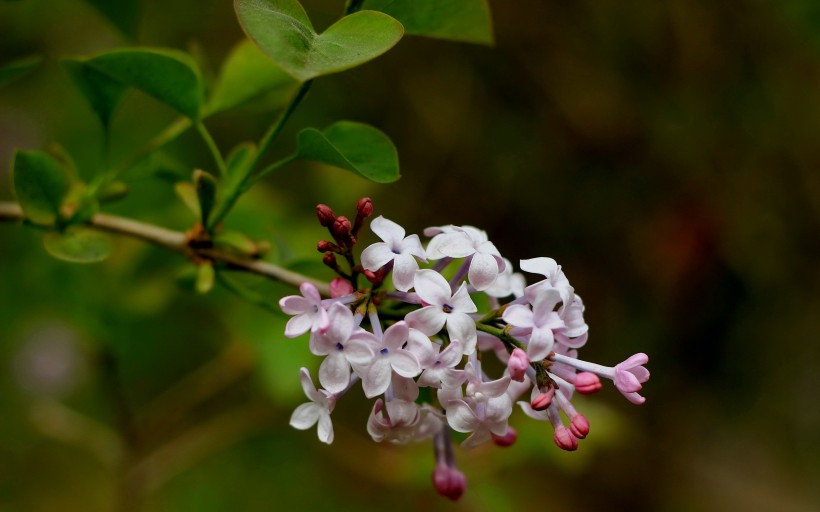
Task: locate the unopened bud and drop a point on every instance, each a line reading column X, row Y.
column 329, row 259
column 564, row 439
column 325, row 246
column 587, row 383
column 340, row 287
column 543, row 401
column 449, row 481
column 364, row 207
column 579, row 426
column 507, row 439
column 325, row 215
column 340, row 228
column 373, row 277
column 518, row 364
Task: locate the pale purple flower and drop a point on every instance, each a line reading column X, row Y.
column 401, row 250
column 317, row 411
column 575, row 331
column 439, row 363
column 444, row 308
column 507, row 283
column 536, row 326
column 400, row 421
column 343, row 346
column 389, row 356
column 311, row 315
column 480, row 415
column 628, row 375
column 486, row 262
column 555, row 277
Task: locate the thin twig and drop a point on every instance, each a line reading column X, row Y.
column 176, row 241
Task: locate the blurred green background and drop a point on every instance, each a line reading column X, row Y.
column 665, row 153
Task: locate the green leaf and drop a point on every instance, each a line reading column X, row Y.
column 112, row 191
column 79, row 244
column 188, row 193
column 205, row 277
column 458, row 20
column 167, row 75
column 206, row 194
column 123, row 14
column 41, row 184
column 356, row 147
column 236, row 241
column 282, row 30
column 246, row 75
column 18, row 68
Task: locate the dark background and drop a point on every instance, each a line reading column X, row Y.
column 664, row 153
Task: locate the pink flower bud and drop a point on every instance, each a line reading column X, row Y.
column 587, row 383
column 449, row 482
column 564, row 439
column 364, row 207
column 579, row 426
column 325, row 215
column 518, row 364
column 543, row 401
column 325, row 246
column 340, row 228
column 507, row 439
column 340, row 287
column 329, row 259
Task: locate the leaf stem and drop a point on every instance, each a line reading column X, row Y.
column 269, row 169
column 274, row 130
column 212, row 147
column 170, row 133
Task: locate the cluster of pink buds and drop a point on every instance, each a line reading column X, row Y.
column 426, row 332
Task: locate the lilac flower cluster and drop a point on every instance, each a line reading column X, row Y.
column 429, row 333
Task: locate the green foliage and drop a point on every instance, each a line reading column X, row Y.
column 78, row 244
column 18, row 68
column 123, row 14
column 246, row 74
column 41, row 185
column 206, row 190
column 282, row 29
column 205, row 277
column 356, row 147
column 457, row 20
column 167, row 75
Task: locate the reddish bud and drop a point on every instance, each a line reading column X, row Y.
column 449, row 482
column 340, row 228
column 329, row 259
column 579, row 426
column 340, row 287
column 564, row 439
column 364, row 208
column 507, row 439
column 543, row 401
column 518, row 364
column 373, row 277
column 325, row 215
column 325, row 246
column 587, row 383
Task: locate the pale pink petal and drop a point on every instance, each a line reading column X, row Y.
column 405, row 267
column 461, row 417
column 462, row 328
column 432, row 287
column 334, row 372
column 395, row 335
column 294, row 304
column 376, row 256
column 412, row 245
column 404, row 363
column 377, row 379
column 461, row 301
column 483, row 271
column 540, row 345
column 325, row 430
column 298, row 325
column 387, row 230
column 305, row 416
column 479, row 437
column 429, row 320
column 518, row 315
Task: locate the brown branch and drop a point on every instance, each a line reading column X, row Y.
column 177, row 241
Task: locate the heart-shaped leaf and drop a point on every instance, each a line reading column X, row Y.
column 41, row 184
column 356, row 147
column 79, row 244
column 167, row 75
column 246, row 75
column 457, row 20
column 282, row 30
column 18, row 68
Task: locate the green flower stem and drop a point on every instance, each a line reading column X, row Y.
column 177, row 241
column 209, row 141
column 170, row 133
column 501, row 333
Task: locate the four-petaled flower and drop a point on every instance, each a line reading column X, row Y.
column 316, row 411
column 396, row 248
column 442, row 308
column 343, row 346
column 467, row 242
column 311, row 315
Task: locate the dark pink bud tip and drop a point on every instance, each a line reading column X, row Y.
column 579, row 426
column 507, row 439
column 364, row 207
column 325, row 246
column 339, row 288
column 325, row 215
column 587, row 383
column 341, row 227
column 449, row 482
column 542, row 401
column 329, row 259
column 564, row 439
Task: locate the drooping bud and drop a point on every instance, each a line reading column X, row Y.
column 507, row 439
column 325, row 246
column 449, row 481
column 340, row 287
column 543, row 401
column 579, row 426
column 587, row 383
column 518, row 364
column 564, row 439
column 325, row 215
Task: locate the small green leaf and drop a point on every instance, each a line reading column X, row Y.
column 205, row 277
column 167, row 75
column 206, row 194
column 18, row 68
column 79, row 244
column 282, row 30
column 236, row 241
column 356, row 147
column 246, row 75
column 458, row 20
column 112, row 191
column 187, row 192
column 41, row 184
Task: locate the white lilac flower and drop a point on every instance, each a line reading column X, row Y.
column 396, row 248
column 443, row 308
column 311, row 315
column 400, row 422
column 575, row 331
column 343, row 346
column 317, row 411
column 389, row 356
column 485, row 262
column 439, row 363
column 555, row 277
column 536, row 326
column 507, row 283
